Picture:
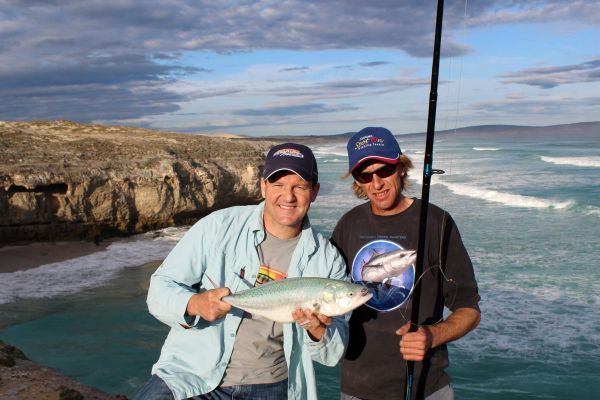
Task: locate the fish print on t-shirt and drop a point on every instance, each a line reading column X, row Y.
column 388, row 270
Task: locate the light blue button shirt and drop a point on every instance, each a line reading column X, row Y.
column 217, row 248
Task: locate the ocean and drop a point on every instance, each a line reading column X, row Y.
column 527, row 207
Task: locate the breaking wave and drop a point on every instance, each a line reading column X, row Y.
column 592, row 210
column 507, row 199
column 328, row 151
column 590, row 162
column 92, row 270
column 486, row 148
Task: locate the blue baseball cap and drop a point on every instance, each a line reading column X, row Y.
column 293, row 157
column 373, row 143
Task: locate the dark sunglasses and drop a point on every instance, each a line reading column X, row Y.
column 367, row 177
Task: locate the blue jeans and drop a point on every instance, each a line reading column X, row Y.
column 445, row 393
column 157, row 389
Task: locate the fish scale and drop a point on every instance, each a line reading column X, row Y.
column 278, row 299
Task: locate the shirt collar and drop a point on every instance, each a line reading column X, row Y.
column 308, row 234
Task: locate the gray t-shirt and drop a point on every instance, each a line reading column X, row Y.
column 257, row 355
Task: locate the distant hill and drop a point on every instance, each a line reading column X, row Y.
column 581, row 128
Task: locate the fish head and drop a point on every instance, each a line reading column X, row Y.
column 341, row 297
column 388, row 265
column 406, row 257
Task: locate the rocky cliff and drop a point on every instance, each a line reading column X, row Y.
column 66, row 180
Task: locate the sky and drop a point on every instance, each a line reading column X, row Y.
column 291, row 67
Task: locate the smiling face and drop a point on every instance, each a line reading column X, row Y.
column 287, row 200
column 382, row 184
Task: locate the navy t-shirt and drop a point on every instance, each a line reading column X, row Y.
column 380, row 252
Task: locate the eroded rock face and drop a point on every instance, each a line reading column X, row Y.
column 66, row 180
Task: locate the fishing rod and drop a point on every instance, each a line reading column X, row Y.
column 427, row 172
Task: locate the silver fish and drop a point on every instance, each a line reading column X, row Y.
column 278, row 299
column 385, row 266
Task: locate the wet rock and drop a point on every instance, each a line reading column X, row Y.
column 8, row 354
column 6, row 360
column 25, row 380
column 66, row 393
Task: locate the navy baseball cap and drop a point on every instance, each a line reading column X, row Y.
column 373, row 143
column 293, row 157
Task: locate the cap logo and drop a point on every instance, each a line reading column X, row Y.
column 289, row 152
column 368, row 141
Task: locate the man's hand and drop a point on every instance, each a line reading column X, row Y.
column 208, row 305
column 315, row 324
column 414, row 345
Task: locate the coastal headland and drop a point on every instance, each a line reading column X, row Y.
column 61, row 180
column 67, row 188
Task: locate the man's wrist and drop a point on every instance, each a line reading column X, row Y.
column 430, row 333
column 317, row 333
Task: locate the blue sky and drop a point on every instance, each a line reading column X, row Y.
column 298, row 67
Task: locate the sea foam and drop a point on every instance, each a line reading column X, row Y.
column 486, row 148
column 588, row 162
column 508, row 199
column 513, row 318
column 328, row 151
column 92, row 270
column 592, row 210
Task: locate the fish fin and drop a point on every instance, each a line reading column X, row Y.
column 316, row 308
column 211, row 281
column 387, row 282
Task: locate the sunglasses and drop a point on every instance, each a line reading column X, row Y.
column 367, row 177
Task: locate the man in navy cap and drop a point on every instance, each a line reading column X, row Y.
column 214, row 351
column 379, row 239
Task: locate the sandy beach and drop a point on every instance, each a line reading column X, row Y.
column 22, row 257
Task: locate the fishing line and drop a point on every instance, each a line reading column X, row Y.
column 451, row 157
column 460, row 69
column 437, row 265
column 459, row 82
column 428, row 171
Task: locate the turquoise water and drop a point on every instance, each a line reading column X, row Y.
column 528, row 210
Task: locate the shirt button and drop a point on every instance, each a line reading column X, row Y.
column 232, row 335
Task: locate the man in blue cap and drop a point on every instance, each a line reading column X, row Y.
column 379, row 239
column 214, row 351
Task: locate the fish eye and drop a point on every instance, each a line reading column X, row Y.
column 350, row 294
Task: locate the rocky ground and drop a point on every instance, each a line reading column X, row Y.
column 64, row 180
column 21, row 379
